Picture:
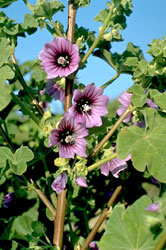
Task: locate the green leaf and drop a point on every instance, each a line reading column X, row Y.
column 5, row 154
column 127, row 229
column 22, row 224
column 159, row 98
column 138, row 97
column 21, row 156
column 38, row 228
column 79, row 3
column 123, row 63
column 146, row 146
column 131, row 61
column 47, row 10
column 5, row 50
column 29, row 22
column 6, row 73
column 6, row 3
column 6, row 97
column 14, row 245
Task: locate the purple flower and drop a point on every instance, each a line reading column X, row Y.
column 59, row 58
column 81, row 182
column 115, row 166
column 42, row 92
column 154, row 207
column 125, row 100
column 59, row 183
column 93, row 246
column 151, row 104
column 70, row 138
column 56, row 91
column 89, row 105
column 7, row 199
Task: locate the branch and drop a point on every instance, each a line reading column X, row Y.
column 44, row 199
column 28, row 111
column 61, row 201
column 7, row 139
column 102, row 217
column 24, row 85
column 110, row 81
column 95, row 43
column 110, row 133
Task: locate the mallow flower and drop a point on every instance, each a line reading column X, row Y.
column 70, row 138
column 55, row 90
column 125, row 100
column 80, row 181
column 8, row 199
column 89, row 105
column 115, row 166
column 59, row 184
column 154, row 207
column 59, row 58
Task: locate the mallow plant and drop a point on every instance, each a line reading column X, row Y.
column 94, row 176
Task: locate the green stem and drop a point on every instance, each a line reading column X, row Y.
column 51, row 30
column 7, row 139
column 112, row 130
column 101, row 162
column 110, row 81
column 28, row 5
column 58, row 32
column 27, row 110
column 95, row 43
column 47, row 175
column 23, row 83
column 161, row 241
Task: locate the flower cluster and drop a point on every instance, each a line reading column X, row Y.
column 60, row 58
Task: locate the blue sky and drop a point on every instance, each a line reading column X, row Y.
column 147, row 21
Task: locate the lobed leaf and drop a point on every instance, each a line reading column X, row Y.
column 47, row 10
column 127, row 229
column 5, row 50
column 138, row 97
column 147, row 145
column 159, row 98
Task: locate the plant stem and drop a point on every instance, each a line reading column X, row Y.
column 95, row 43
column 60, row 219
column 110, row 81
column 7, row 139
column 28, row 5
column 24, row 85
column 161, row 241
column 61, row 201
column 47, row 175
column 102, row 217
column 28, row 111
column 44, row 199
column 58, row 32
column 101, row 162
column 112, row 130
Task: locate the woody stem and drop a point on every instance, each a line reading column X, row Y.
column 61, row 201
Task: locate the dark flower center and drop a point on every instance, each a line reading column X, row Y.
column 84, row 105
column 67, row 137
column 63, row 60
